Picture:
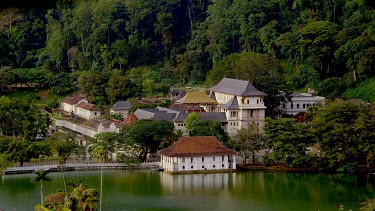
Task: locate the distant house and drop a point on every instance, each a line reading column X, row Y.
column 177, row 116
column 300, row 102
column 177, row 96
column 242, row 103
column 87, row 111
column 197, row 154
column 69, row 104
column 122, row 108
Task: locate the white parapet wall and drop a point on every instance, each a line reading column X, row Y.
column 76, row 128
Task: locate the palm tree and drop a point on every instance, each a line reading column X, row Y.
column 41, row 176
column 101, row 154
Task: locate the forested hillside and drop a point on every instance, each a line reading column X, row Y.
column 105, row 46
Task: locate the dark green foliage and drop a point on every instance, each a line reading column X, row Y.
column 20, row 118
column 196, row 127
column 184, row 40
column 289, row 141
column 150, row 135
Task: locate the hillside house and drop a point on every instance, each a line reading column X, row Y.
column 300, row 103
column 87, row 111
column 197, row 154
column 69, row 104
column 122, row 108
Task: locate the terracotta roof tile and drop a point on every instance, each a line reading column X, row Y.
column 86, row 106
column 73, row 100
column 197, row 146
column 131, row 119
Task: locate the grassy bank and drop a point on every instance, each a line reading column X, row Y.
column 364, row 91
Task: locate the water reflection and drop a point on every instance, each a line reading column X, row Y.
column 193, row 183
column 254, row 190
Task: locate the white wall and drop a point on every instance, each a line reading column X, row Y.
column 87, row 114
column 183, row 164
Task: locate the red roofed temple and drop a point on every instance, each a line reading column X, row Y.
column 198, row 154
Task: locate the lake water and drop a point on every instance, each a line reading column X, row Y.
column 151, row 190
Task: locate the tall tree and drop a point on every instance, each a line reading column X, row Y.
column 41, row 176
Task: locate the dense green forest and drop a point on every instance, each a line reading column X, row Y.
column 104, row 46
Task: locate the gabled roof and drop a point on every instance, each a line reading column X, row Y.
column 197, row 146
column 156, row 113
column 86, row 106
column 131, row 119
column 232, row 104
column 122, row 105
column 236, row 87
column 73, row 99
column 196, row 98
column 212, row 95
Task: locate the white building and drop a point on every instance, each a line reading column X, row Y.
column 87, row 111
column 300, row 102
column 122, row 108
column 198, row 154
column 242, row 103
column 69, row 104
column 79, row 106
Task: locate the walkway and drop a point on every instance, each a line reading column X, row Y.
column 81, row 166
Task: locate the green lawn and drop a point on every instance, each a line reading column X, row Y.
column 364, row 91
column 41, row 97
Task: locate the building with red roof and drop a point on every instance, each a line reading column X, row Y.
column 198, row 154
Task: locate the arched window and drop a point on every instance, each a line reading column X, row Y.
column 297, row 106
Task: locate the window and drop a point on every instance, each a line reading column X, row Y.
column 222, row 165
column 213, row 158
column 304, row 106
column 291, row 105
column 202, row 159
column 297, row 106
column 234, row 114
column 257, row 101
column 191, row 166
column 183, row 167
column 191, row 161
column 202, row 167
column 248, row 101
column 283, row 105
column 222, row 158
column 183, row 160
column 213, row 166
column 251, row 113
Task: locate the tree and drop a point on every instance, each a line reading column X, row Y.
column 317, row 44
column 247, row 141
column 120, row 88
column 22, row 151
column 335, row 128
column 20, row 118
column 150, row 135
column 149, row 86
column 41, row 176
column 289, row 141
column 192, row 123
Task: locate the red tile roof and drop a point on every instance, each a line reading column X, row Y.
column 131, row 119
column 86, row 106
column 72, row 100
column 197, row 146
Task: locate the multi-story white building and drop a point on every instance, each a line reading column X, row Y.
column 242, row 103
column 300, row 102
column 197, row 154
